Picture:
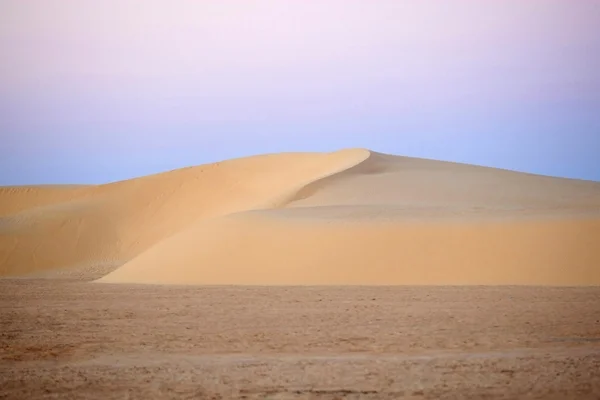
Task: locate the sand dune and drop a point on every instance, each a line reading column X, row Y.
column 348, row 217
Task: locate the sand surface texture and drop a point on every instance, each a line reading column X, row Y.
column 347, row 217
column 78, row 340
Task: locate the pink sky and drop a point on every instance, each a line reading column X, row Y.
column 115, row 82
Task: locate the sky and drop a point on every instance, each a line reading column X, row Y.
column 98, row 91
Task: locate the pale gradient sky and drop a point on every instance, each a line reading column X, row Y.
column 93, row 91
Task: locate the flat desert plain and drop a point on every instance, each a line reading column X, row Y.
column 350, row 274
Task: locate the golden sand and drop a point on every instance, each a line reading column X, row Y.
column 347, row 217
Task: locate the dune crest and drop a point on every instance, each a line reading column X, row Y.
column 347, row 217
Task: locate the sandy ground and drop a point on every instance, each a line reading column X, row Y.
column 69, row 339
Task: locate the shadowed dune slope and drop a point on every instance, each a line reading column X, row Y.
column 348, row 217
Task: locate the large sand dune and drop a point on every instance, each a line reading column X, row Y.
column 348, row 217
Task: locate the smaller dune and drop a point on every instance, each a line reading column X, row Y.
column 259, row 248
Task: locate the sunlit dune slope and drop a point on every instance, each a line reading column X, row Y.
column 14, row 199
column 108, row 225
column 348, row 217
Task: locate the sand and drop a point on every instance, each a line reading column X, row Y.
column 74, row 340
column 348, row 217
column 345, row 275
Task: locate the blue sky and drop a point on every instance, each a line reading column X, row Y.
column 92, row 92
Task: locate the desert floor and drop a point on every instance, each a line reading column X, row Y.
column 68, row 339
